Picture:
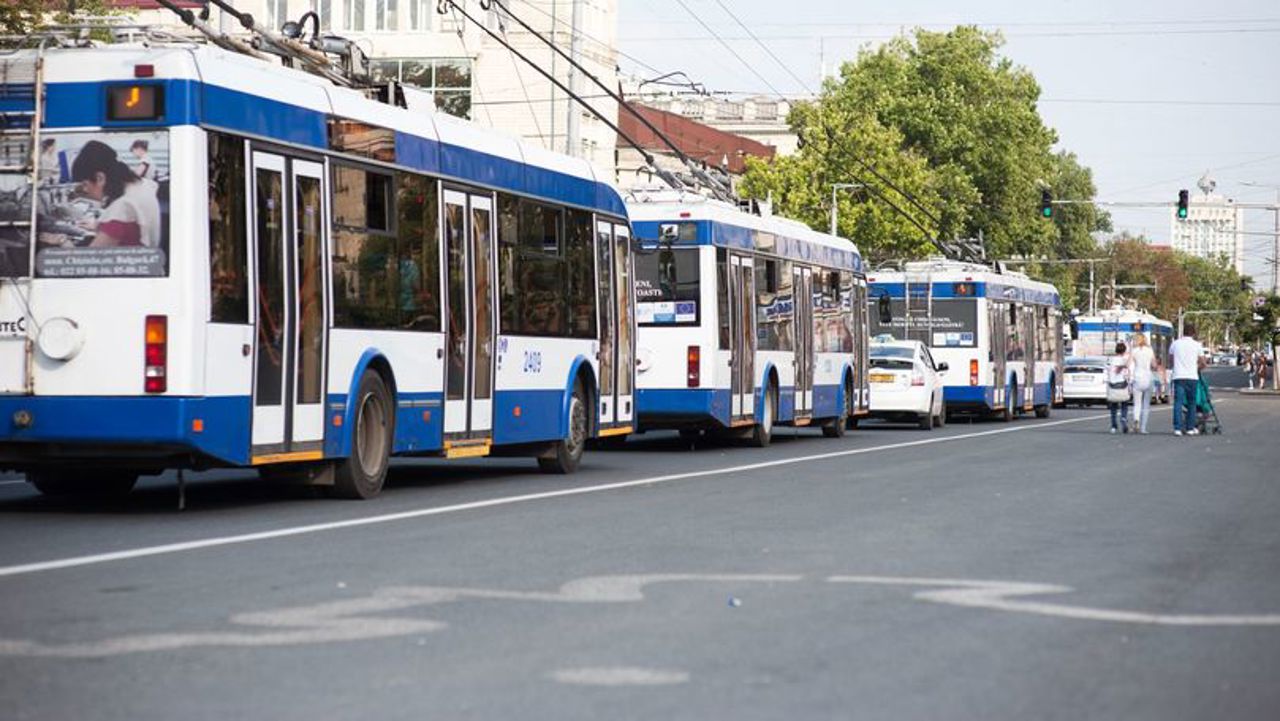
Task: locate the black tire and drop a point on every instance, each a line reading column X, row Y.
column 925, row 421
column 566, row 454
column 941, row 420
column 835, row 427
column 762, row 432
column 360, row 475
column 1044, row 410
column 83, row 483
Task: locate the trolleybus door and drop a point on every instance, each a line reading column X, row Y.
column 470, row 336
column 624, row 292
column 1030, row 352
column 616, row 300
column 742, row 353
column 289, row 344
column 608, row 322
column 804, row 341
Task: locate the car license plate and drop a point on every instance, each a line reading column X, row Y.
column 882, row 378
column 1083, row 378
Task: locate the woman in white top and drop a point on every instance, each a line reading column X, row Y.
column 1145, row 366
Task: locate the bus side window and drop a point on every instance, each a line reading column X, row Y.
column 228, row 248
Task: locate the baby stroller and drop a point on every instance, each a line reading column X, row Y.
column 1206, row 416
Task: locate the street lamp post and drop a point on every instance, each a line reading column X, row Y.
column 1275, row 243
column 835, row 207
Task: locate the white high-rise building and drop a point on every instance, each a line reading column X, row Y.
column 1212, row 228
column 469, row 73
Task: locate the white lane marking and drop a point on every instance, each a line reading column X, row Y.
column 361, row 619
column 1001, row 596
column 183, row 546
column 620, row 676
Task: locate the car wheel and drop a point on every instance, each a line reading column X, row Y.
column 941, row 420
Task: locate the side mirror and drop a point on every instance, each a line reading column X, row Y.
column 943, row 367
column 885, row 309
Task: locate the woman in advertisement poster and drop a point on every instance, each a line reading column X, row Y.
column 130, row 209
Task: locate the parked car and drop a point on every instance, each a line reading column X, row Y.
column 1084, row 380
column 906, row 384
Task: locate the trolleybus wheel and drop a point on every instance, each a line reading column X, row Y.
column 762, row 432
column 83, row 483
column 361, row 474
column 1042, row 411
column 566, row 454
column 835, row 427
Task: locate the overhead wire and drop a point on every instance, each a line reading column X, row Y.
column 764, row 47
column 751, row 68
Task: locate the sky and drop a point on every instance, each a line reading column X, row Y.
column 1148, row 94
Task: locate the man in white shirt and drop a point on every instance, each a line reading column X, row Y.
column 1188, row 358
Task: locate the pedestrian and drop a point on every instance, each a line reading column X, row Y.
column 1120, row 386
column 1188, row 359
column 1262, row 367
column 1145, row 366
column 1248, row 367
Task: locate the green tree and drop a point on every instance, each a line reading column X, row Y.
column 945, row 118
column 20, row 17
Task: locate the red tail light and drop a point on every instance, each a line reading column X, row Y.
column 973, row 371
column 917, row 379
column 693, row 374
column 156, row 354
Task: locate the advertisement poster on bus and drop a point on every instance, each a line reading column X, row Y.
column 949, row 323
column 102, row 207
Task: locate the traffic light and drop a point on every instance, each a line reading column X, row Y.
column 1046, row 203
column 1183, row 198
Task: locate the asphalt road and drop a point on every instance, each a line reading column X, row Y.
column 1038, row 570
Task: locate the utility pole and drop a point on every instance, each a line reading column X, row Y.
column 551, row 137
column 572, row 141
column 835, row 208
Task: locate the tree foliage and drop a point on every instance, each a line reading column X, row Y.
column 944, row 118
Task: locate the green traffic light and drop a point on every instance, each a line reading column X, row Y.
column 1182, row 213
column 1047, row 211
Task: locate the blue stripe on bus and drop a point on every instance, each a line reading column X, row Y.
column 540, row 416
column 993, row 291
column 190, row 102
column 1117, row 327
column 735, row 237
column 162, row 421
column 657, row 405
column 970, row 395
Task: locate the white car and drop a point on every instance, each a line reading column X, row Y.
column 1084, row 380
column 906, row 383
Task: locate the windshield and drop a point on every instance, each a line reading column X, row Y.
column 667, row 287
column 884, row 351
column 101, row 207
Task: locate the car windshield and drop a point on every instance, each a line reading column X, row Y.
column 892, row 363
column 888, row 351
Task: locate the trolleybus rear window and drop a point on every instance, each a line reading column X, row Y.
column 667, row 287
column 102, row 208
column 953, row 324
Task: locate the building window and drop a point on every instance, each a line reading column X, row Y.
column 277, row 13
column 419, row 14
column 387, row 14
column 447, row 79
column 729, row 111
column 355, row 15
column 767, row 111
